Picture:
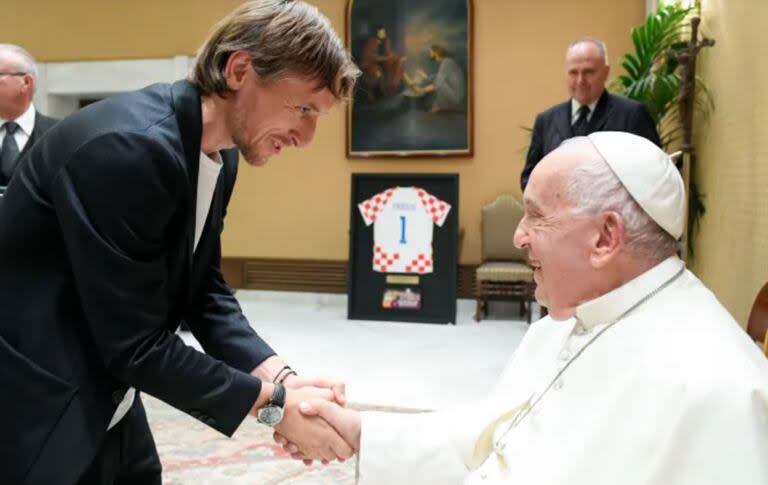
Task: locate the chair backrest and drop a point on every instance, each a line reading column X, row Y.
column 499, row 221
column 757, row 326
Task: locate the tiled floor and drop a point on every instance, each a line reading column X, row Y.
column 405, row 365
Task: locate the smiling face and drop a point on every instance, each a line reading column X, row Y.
column 264, row 117
column 271, row 116
column 586, row 72
column 559, row 243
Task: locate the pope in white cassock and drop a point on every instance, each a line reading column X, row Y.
column 637, row 376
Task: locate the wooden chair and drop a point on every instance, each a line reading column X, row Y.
column 757, row 326
column 504, row 273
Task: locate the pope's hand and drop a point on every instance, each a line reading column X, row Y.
column 311, row 435
column 337, row 387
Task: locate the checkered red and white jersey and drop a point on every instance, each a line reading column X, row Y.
column 402, row 233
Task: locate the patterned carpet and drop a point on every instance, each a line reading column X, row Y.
column 193, row 453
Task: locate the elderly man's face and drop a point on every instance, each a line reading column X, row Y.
column 558, row 242
column 15, row 89
column 586, row 72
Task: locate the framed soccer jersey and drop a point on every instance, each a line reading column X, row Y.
column 403, row 242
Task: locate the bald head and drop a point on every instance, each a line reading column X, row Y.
column 587, row 70
column 18, row 57
column 554, row 171
column 591, row 45
column 570, row 154
column 18, row 77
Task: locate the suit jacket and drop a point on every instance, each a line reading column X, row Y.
column 98, row 270
column 612, row 113
column 42, row 124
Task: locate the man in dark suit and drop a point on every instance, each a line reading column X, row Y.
column 109, row 238
column 20, row 124
column 590, row 109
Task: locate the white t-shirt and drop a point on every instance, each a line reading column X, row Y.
column 402, row 233
column 206, row 184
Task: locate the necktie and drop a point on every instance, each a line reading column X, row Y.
column 8, row 153
column 580, row 127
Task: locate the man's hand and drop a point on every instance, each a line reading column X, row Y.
column 268, row 370
column 346, row 422
column 313, row 437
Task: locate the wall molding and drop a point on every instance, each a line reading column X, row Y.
column 61, row 85
column 317, row 276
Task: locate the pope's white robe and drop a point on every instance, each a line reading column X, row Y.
column 674, row 393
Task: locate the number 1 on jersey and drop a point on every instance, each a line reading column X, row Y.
column 402, row 230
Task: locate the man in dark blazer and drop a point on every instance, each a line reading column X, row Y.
column 110, row 237
column 590, row 109
column 18, row 117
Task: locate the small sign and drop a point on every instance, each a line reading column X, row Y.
column 398, row 279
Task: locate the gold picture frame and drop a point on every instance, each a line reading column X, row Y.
column 415, row 95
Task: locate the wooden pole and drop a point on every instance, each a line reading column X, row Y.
column 687, row 59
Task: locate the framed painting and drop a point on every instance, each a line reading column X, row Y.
column 414, row 97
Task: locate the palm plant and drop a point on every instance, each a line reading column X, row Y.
column 652, row 77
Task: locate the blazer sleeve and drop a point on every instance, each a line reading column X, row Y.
column 218, row 322
column 535, row 152
column 116, row 199
column 644, row 125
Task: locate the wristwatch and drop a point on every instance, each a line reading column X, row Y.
column 272, row 413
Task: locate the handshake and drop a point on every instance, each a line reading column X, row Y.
column 315, row 424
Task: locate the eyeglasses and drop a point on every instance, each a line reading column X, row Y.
column 12, row 74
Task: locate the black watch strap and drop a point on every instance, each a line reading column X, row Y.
column 278, row 396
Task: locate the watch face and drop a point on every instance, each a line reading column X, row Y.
column 270, row 415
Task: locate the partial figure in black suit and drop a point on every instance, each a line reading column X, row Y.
column 110, row 237
column 590, row 109
column 18, row 117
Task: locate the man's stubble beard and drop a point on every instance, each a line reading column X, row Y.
column 237, row 128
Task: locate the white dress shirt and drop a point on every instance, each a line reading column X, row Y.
column 575, row 105
column 208, row 174
column 26, row 124
column 674, row 393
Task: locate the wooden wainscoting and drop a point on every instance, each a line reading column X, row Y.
column 296, row 275
column 310, row 275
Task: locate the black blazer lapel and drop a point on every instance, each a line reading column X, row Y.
column 186, row 103
column 602, row 113
column 563, row 120
column 42, row 124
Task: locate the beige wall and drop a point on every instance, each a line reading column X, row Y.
column 78, row 30
column 298, row 205
column 732, row 247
